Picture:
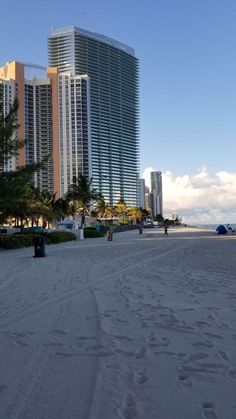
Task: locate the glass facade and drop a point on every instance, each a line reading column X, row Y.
column 74, row 128
column 38, row 131
column 114, row 107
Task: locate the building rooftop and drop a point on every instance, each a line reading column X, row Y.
column 34, row 71
column 94, row 35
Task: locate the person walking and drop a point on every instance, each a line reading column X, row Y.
column 166, row 231
column 140, row 228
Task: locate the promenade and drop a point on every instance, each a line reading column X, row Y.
column 143, row 327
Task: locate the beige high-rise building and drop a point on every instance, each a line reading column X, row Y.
column 34, row 118
column 12, row 82
column 54, row 118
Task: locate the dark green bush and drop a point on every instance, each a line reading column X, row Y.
column 125, row 227
column 59, row 237
column 89, row 233
column 16, row 241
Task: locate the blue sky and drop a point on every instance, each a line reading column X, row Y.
column 187, row 69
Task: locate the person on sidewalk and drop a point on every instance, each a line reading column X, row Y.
column 140, row 229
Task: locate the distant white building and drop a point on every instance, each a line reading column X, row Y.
column 142, row 193
column 156, row 190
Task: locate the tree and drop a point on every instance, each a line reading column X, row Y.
column 60, row 208
column 145, row 213
column 14, row 189
column 9, row 142
column 13, row 184
column 82, row 192
column 104, row 210
column 159, row 219
column 121, row 210
column 135, row 214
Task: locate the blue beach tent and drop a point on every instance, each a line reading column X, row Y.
column 221, row 229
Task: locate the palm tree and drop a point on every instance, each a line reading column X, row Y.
column 60, row 209
column 104, row 210
column 121, row 211
column 121, row 208
column 82, row 192
column 30, row 205
column 135, row 214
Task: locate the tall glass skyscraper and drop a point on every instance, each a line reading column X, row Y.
column 114, row 106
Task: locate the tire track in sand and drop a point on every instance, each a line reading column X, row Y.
column 78, row 290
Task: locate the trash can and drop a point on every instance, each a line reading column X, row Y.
column 39, row 247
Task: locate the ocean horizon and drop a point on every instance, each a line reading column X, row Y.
column 214, row 225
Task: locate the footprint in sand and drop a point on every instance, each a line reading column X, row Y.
column 129, row 410
column 2, row 387
column 140, row 377
column 151, row 339
column 53, row 344
column 208, row 411
column 198, row 356
column 184, row 380
column 141, row 352
column 214, row 335
column 232, row 373
column 205, row 344
column 165, row 341
column 21, row 343
column 58, row 332
column 223, row 355
column 17, row 335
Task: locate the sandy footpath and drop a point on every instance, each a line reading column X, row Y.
column 143, row 327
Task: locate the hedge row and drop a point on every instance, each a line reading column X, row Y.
column 59, row 237
column 90, row 233
column 117, row 228
column 16, row 241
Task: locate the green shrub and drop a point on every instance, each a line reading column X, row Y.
column 125, row 227
column 59, row 237
column 16, row 241
column 89, row 233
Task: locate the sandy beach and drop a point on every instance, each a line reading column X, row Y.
column 143, row 327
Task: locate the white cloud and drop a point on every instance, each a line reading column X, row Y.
column 199, row 198
column 146, row 175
